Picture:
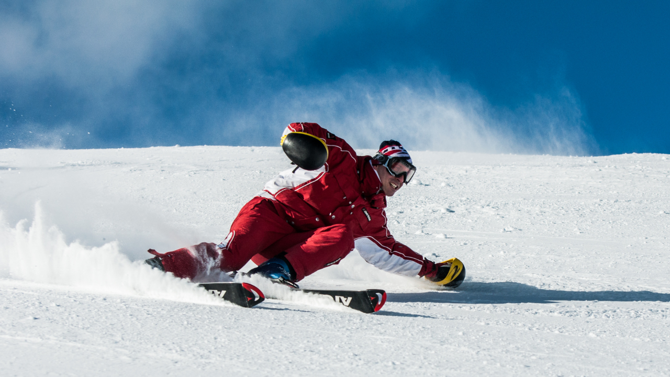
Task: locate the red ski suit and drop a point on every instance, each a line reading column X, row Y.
column 315, row 217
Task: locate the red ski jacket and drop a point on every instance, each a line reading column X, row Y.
column 346, row 190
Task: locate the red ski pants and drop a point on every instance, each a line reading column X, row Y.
column 260, row 232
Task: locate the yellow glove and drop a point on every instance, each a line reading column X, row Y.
column 449, row 273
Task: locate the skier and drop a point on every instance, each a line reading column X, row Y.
column 311, row 216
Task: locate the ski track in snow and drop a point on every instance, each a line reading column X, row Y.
column 567, row 262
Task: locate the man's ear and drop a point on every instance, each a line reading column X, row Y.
column 379, row 169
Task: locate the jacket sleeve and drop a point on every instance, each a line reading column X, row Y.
column 309, row 128
column 380, row 249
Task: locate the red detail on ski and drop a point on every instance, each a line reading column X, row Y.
column 254, row 290
column 379, row 301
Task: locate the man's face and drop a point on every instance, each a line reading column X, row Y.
column 390, row 184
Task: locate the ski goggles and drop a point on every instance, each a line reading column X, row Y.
column 400, row 167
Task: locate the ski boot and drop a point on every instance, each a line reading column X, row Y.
column 278, row 270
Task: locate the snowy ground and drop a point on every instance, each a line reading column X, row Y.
column 567, row 262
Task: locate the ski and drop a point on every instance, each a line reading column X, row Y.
column 248, row 295
column 368, row 301
column 242, row 294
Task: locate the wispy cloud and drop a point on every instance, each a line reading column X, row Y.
column 428, row 111
column 138, row 73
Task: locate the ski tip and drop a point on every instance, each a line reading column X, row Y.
column 377, row 298
column 254, row 295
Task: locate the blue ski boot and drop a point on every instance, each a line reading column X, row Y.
column 276, row 269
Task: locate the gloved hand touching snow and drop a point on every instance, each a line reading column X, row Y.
column 449, row 273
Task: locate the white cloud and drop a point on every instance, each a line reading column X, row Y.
column 85, row 43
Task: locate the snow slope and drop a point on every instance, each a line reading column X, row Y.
column 567, row 262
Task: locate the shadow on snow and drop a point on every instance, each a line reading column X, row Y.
column 517, row 293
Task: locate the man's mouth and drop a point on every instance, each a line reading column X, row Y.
column 395, row 187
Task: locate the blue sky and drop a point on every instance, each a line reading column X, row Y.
column 556, row 77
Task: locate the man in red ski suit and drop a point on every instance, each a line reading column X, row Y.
column 306, row 220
